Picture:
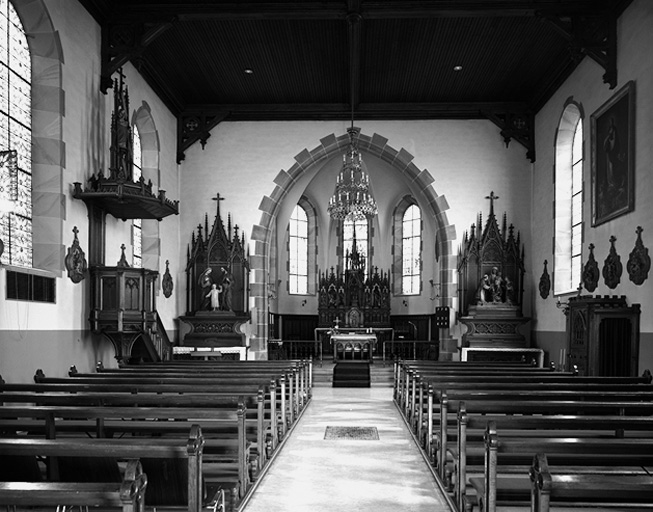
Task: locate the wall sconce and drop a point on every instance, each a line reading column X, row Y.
column 564, row 305
column 303, row 302
column 435, row 288
column 405, row 303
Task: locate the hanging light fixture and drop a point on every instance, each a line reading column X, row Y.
column 352, row 198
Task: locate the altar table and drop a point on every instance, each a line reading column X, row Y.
column 352, row 345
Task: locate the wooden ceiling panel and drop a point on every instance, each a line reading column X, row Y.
column 386, row 59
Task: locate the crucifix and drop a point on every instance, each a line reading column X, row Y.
column 217, row 199
column 491, row 197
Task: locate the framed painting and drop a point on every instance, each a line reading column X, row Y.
column 612, row 129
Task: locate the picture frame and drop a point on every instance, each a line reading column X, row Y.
column 612, row 128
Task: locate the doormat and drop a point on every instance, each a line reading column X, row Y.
column 351, row 433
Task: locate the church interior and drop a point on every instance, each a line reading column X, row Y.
column 327, row 187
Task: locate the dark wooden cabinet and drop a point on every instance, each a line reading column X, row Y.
column 603, row 336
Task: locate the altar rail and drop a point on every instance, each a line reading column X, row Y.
column 388, row 349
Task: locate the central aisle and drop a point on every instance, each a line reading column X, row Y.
column 312, row 474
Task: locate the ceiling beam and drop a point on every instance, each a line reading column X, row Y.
column 369, row 9
column 514, row 118
column 354, row 29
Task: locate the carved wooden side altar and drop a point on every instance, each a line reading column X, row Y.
column 491, row 279
column 217, row 276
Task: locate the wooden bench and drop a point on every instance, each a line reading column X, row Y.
column 257, row 428
column 225, row 459
column 469, row 452
column 504, row 450
column 443, row 406
column 180, row 483
column 129, row 495
column 288, row 391
column 263, row 401
column 298, row 374
column 554, row 486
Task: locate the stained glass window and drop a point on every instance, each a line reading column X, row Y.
column 298, row 249
column 137, row 227
column 359, row 228
column 15, row 140
column 411, row 244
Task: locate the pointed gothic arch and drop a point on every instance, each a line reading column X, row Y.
column 263, row 233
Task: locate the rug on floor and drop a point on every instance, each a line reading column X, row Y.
column 352, row 433
column 351, row 374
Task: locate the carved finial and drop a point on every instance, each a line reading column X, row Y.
column 492, row 197
column 123, row 259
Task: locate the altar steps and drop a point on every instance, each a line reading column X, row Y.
column 380, row 376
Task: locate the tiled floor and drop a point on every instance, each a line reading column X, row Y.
column 313, row 474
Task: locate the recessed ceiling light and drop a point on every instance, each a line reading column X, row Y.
column 249, row 71
column 458, row 68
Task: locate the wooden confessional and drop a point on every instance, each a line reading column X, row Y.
column 603, row 336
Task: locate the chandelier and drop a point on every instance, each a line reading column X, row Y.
column 352, row 198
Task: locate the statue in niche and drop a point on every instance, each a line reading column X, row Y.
column 205, row 281
column 484, row 290
column 227, row 285
column 214, row 296
column 496, row 283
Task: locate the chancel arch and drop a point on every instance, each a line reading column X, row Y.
column 321, row 164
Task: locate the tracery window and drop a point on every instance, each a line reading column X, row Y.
column 569, row 201
column 137, row 226
column 358, row 229
column 15, row 140
column 298, row 252
column 411, row 246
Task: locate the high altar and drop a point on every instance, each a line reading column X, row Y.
column 491, row 277
column 354, row 308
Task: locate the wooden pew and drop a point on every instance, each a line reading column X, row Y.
column 129, row 495
column 554, row 486
column 256, row 428
column 493, row 488
column 299, row 374
column 292, row 394
column 252, row 390
column 225, row 460
column 183, row 457
column 443, row 405
column 472, row 455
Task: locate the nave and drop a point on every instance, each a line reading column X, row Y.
column 316, row 474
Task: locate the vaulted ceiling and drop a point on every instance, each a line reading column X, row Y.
column 217, row 60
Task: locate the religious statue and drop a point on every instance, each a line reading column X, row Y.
column 496, row 283
column 227, row 284
column 205, row 281
column 214, row 295
column 484, row 289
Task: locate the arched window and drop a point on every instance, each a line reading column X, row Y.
column 298, row 252
column 15, row 140
column 358, row 229
column 137, row 228
column 411, row 247
column 569, row 201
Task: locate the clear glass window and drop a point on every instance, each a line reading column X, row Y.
column 298, row 252
column 411, row 245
